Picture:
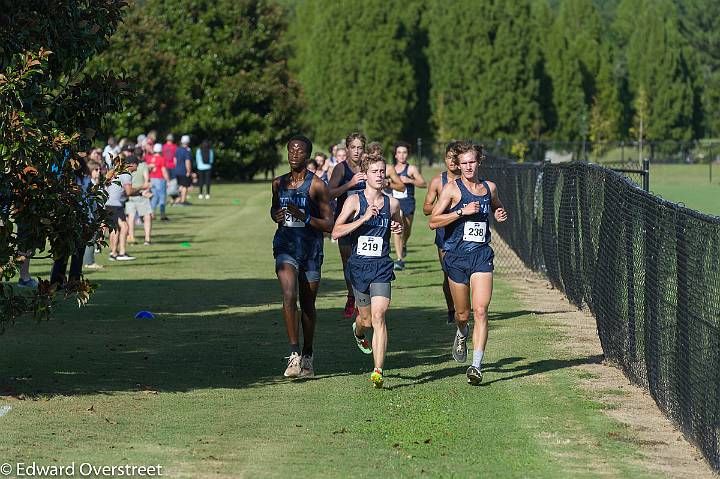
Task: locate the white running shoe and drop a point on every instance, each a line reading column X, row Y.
column 293, row 367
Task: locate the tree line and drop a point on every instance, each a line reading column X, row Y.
column 248, row 72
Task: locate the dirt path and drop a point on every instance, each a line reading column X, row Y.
column 662, row 445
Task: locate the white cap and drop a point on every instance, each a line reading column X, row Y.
column 157, row 148
column 185, row 140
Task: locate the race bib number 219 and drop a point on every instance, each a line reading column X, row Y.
column 369, row 246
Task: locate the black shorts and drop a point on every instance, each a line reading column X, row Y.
column 116, row 214
column 184, row 180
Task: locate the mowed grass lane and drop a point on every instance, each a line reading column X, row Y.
column 199, row 389
column 688, row 184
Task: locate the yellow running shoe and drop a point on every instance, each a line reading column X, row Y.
column 377, row 378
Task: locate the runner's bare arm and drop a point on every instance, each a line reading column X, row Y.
column 417, row 177
column 321, row 196
column 393, row 179
column 432, row 195
column 334, row 186
column 396, row 217
column 496, row 204
column 276, row 213
column 450, row 194
column 349, row 210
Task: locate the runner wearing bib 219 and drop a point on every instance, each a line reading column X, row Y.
column 368, row 218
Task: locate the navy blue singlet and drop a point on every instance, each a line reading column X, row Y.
column 294, row 237
column 370, row 261
column 469, row 233
column 347, row 176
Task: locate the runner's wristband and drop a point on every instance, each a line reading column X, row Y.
column 307, row 219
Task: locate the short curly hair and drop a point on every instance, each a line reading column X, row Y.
column 368, row 159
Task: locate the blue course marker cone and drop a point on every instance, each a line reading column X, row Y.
column 144, row 315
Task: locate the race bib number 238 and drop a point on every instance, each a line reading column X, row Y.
column 475, row 231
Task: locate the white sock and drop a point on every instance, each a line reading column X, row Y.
column 477, row 358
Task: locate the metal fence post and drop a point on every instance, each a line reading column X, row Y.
column 419, row 154
column 646, row 174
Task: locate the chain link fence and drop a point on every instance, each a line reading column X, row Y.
column 647, row 269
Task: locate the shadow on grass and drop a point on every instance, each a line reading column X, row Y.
column 499, row 369
column 208, row 334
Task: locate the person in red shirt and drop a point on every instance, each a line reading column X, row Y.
column 159, row 177
column 168, row 152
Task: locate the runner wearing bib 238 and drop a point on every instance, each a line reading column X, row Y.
column 367, row 219
column 464, row 211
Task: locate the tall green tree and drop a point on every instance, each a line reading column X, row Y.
column 354, row 64
column 606, row 111
column 575, row 54
column 214, row 69
column 656, row 61
column 483, row 56
column 700, row 25
column 50, row 109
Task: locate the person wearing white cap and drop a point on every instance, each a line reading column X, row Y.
column 183, row 168
column 159, row 177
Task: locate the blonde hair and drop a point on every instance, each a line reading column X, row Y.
column 368, row 159
column 375, row 147
column 460, row 147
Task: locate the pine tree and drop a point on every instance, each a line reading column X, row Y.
column 483, row 82
column 700, row 26
column 354, row 65
column 606, row 110
column 573, row 52
column 657, row 62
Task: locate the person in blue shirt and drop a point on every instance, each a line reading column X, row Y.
column 433, row 193
column 183, row 168
column 204, row 159
column 301, row 210
column 464, row 210
column 367, row 219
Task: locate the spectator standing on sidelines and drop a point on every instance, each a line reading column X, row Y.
column 119, row 189
column 89, row 256
column 168, row 152
column 140, row 204
column 110, row 149
column 183, row 168
column 59, row 267
column 159, row 177
column 204, row 159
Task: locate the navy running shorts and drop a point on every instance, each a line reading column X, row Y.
column 459, row 267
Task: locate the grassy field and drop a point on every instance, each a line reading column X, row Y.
column 688, row 184
column 199, row 390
